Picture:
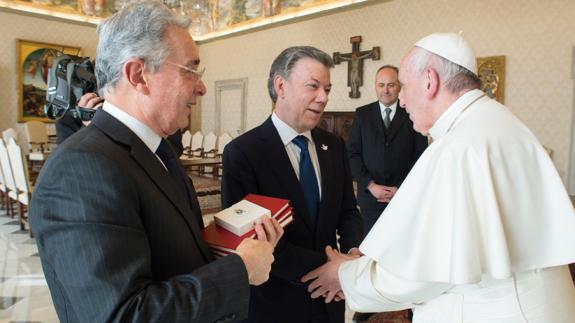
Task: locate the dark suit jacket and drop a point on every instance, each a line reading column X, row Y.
column 119, row 244
column 380, row 155
column 67, row 126
column 257, row 162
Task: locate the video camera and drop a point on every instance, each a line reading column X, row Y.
column 69, row 78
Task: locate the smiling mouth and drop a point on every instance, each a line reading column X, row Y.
column 315, row 111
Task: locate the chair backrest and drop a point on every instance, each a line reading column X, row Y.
column 186, row 139
column 37, row 134
column 210, row 143
column 197, row 140
column 6, row 167
column 20, row 170
column 223, row 140
column 9, row 133
column 2, row 180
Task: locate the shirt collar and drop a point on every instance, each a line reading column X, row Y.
column 287, row 133
column 146, row 134
column 393, row 107
column 446, row 120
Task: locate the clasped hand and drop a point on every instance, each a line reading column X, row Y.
column 382, row 193
column 324, row 279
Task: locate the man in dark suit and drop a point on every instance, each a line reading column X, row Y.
column 315, row 178
column 116, row 220
column 381, row 155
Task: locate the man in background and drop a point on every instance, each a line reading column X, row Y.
column 288, row 157
column 117, row 225
column 382, row 147
column 491, row 235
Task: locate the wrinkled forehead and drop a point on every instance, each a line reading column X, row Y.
column 180, row 43
column 404, row 67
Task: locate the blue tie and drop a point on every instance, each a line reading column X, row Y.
column 170, row 160
column 307, row 179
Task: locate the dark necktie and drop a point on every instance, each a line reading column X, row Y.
column 307, row 178
column 387, row 120
column 170, row 160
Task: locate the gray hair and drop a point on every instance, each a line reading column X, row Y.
column 391, row 67
column 136, row 31
column 455, row 77
column 284, row 63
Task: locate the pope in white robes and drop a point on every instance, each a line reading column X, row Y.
column 492, row 230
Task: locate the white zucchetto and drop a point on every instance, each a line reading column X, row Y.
column 452, row 47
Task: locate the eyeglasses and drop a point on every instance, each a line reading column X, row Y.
column 198, row 72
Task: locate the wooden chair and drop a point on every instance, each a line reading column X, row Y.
column 186, row 141
column 194, row 150
column 196, row 147
column 9, row 133
column 209, row 146
column 223, row 140
column 10, row 190
column 22, row 181
column 37, row 136
column 209, row 151
column 3, row 190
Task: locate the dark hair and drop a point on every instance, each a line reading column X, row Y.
column 284, row 63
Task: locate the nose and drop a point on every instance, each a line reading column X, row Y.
column 322, row 95
column 200, row 88
column 401, row 98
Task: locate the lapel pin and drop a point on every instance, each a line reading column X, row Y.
column 323, row 147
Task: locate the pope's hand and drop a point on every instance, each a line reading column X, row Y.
column 325, row 278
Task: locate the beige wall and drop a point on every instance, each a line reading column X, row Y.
column 15, row 26
column 535, row 36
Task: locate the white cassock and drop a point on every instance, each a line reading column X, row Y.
column 481, row 230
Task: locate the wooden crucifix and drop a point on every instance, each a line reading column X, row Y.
column 355, row 64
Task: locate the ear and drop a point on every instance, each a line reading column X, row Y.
column 279, row 84
column 135, row 74
column 432, row 79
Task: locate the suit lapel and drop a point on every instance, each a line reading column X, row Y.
column 325, row 156
column 377, row 123
column 397, row 122
column 276, row 154
column 148, row 161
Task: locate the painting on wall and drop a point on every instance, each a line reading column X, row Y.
column 230, row 16
column 210, row 18
column 491, row 72
column 34, row 61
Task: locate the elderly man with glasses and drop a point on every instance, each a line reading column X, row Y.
column 116, row 219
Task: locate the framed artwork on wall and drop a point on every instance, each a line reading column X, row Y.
column 34, row 59
column 491, row 72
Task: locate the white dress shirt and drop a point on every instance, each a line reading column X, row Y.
column 146, row 134
column 393, row 108
column 287, row 134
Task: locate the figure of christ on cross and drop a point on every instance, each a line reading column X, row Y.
column 355, row 64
